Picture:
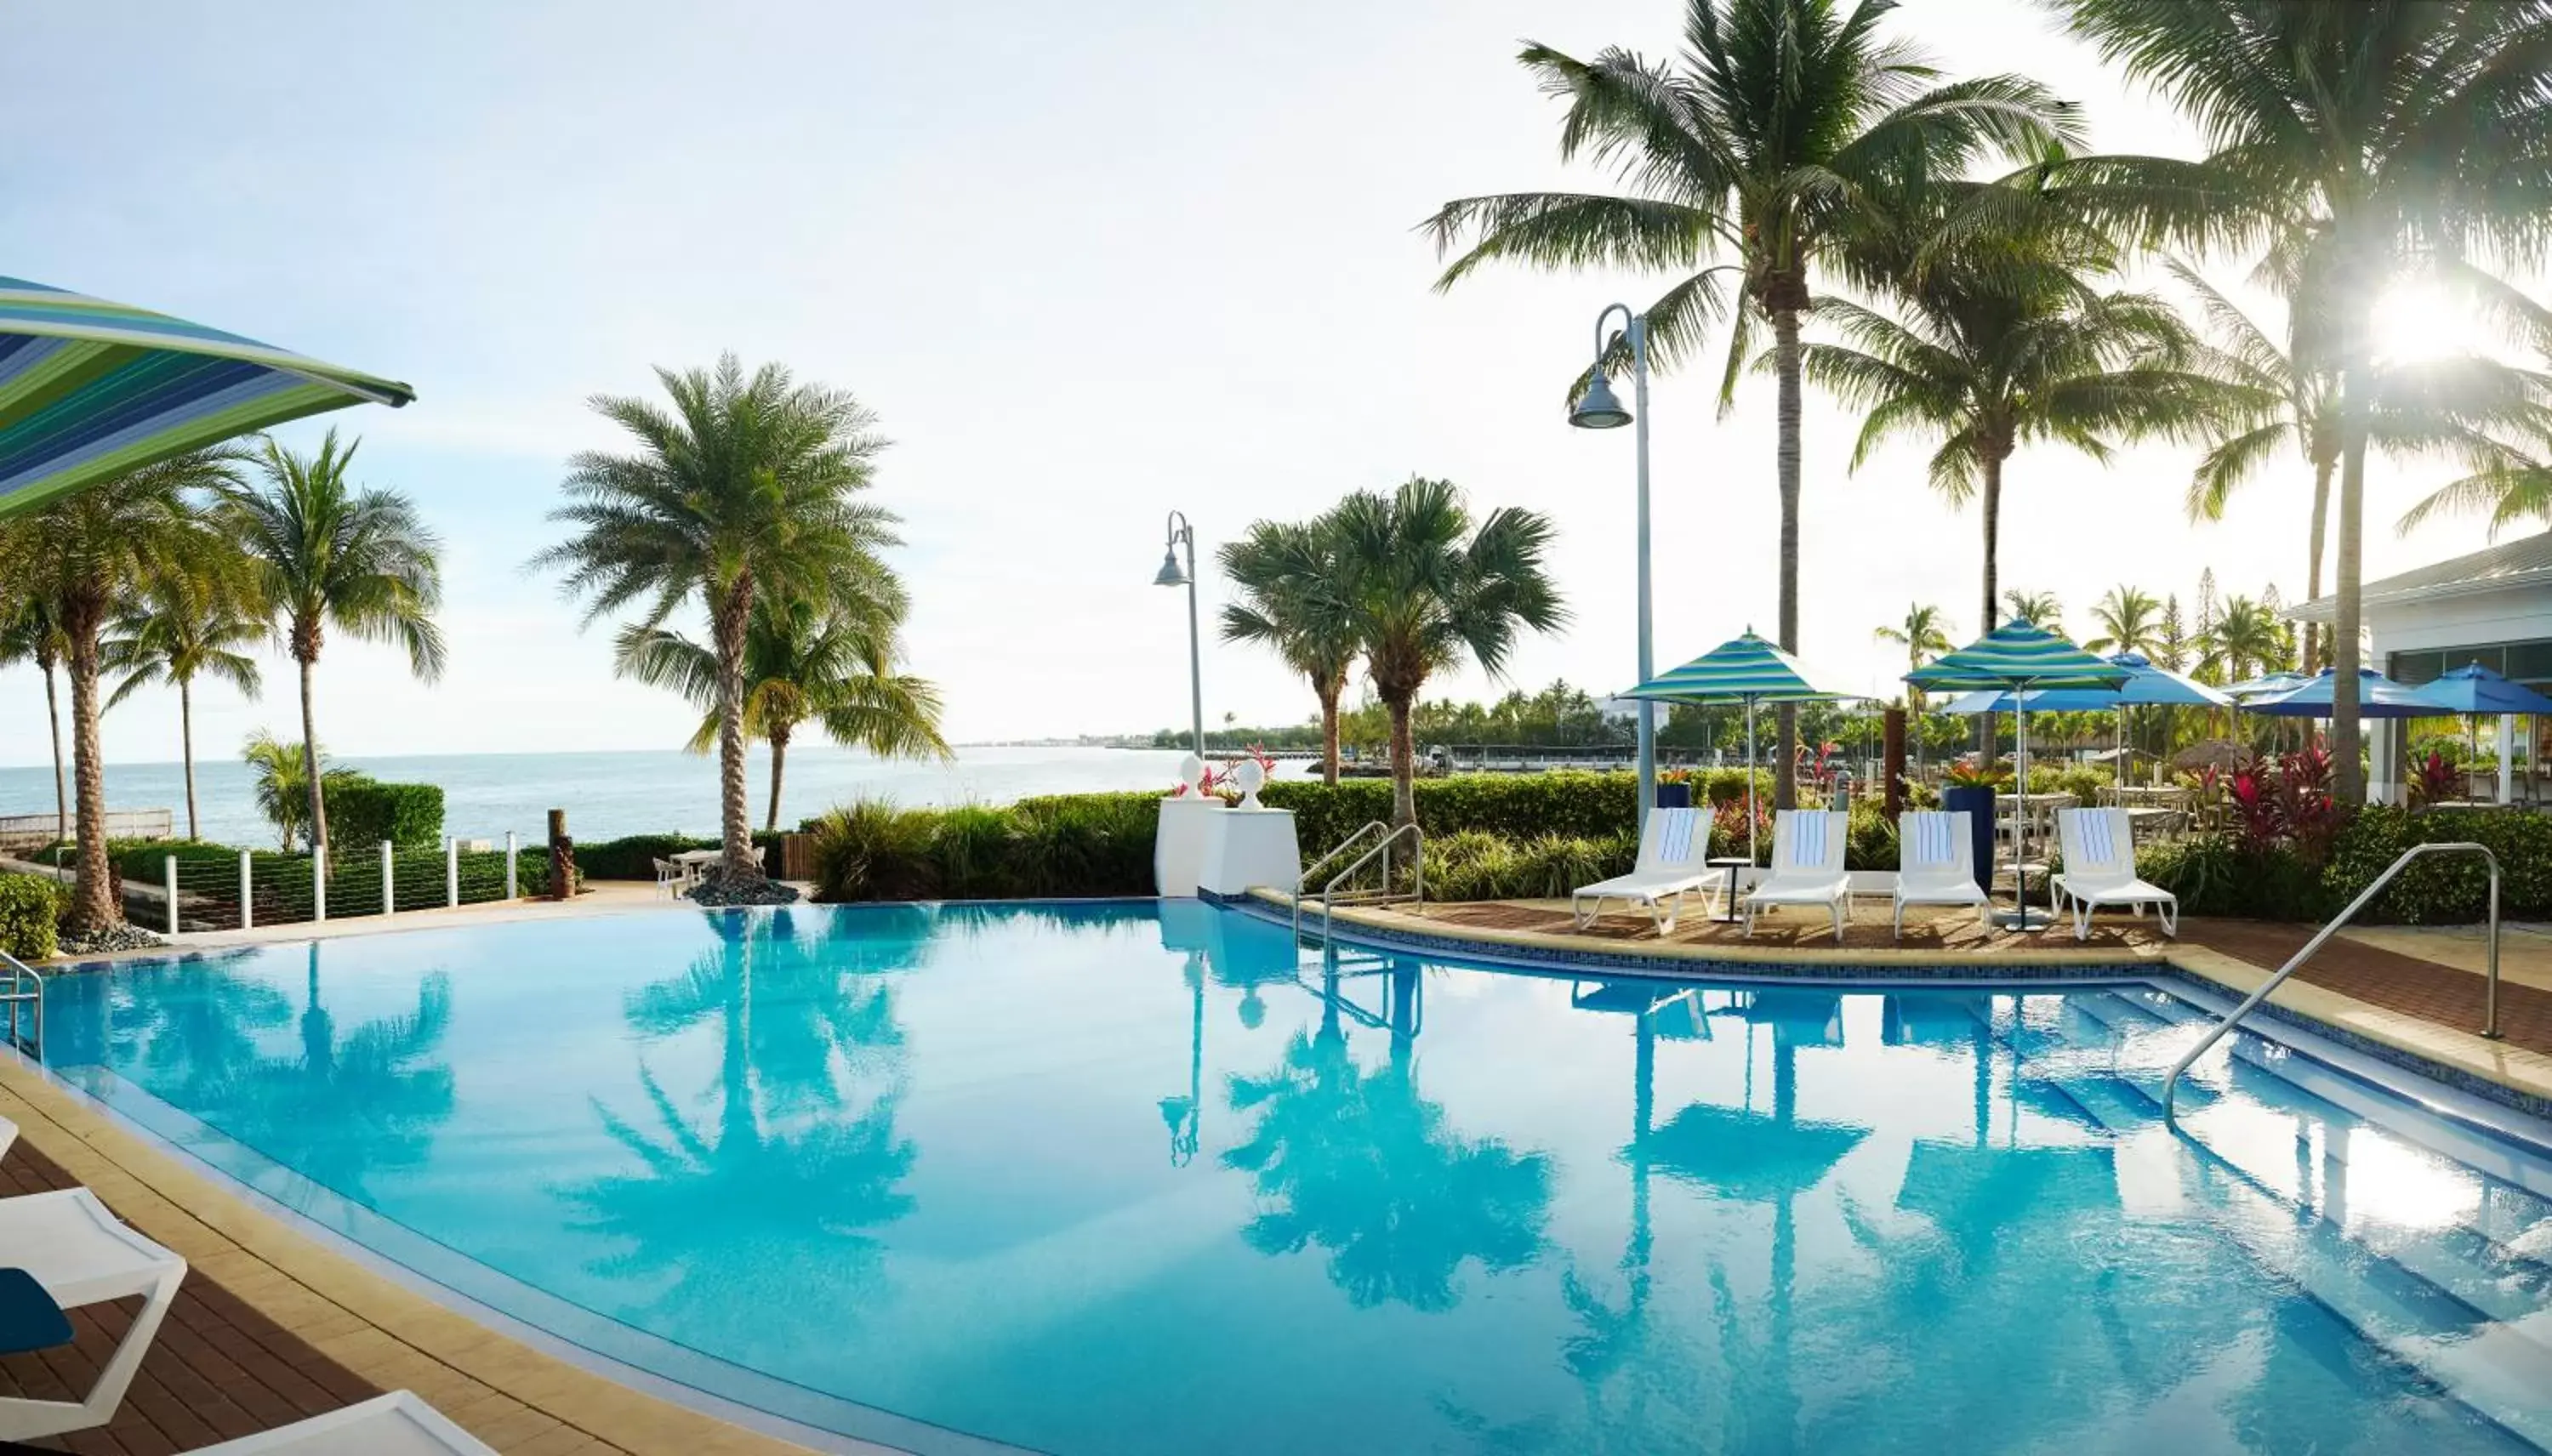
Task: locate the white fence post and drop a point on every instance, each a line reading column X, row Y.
column 451, row 872
column 248, row 908
column 513, row 846
column 169, row 871
column 319, row 884
column 389, row 899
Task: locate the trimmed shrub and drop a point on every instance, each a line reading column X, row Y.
column 362, row 812
column 871, row 851
column 635, row 856
column 31, row 905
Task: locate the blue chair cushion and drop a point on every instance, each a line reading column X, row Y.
column 29, row 1318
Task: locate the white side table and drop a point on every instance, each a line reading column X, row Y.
column 1245, row 849
column 1178, row 845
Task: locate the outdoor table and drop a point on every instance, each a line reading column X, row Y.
column 2138, row 819
column 28, row 1319
column 1731, row 866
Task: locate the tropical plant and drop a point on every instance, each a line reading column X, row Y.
column 749, row 487
column 2245, row 640
column 1421, row 586
column 802, row 664
column 1792, row 129
column 90, row 553
column 30, row 633
column 1286, row 573
column 2129, row 621
column 176, row 632
column 278, row 777
column 2361, row 141
column 2037, row 609
column 1921, row 636
column 327, row 553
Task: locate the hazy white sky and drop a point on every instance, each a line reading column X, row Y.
column 1088, row 262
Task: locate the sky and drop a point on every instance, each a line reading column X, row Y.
column 1088, row 263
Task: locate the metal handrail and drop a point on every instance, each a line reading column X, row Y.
column 1350, row 842
column 1418, row 865
column 2489, row 1012
column 21, row 974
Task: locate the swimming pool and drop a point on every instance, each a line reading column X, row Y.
column 1132, row 1177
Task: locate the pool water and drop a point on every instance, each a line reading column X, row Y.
column 1136, row 1178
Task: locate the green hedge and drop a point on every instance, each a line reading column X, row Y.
column 31, row 906
column 1059, row 846
column 635, row 856
column 2217, row 876
column 362, row 812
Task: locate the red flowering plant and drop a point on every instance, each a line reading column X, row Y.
column 1216, row 780
column 1817, row 769
column 1728, row 827
column 1974, row 774
column 2437, row 780
column 2286, row 803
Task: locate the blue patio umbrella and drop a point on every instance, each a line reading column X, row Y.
column 2475, row 691
column 2266, row 685
column 2378, row 696
column 2145, row 686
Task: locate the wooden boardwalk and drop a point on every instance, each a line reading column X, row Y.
column 218, row 1370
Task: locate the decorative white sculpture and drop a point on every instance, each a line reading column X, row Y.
column 1192, row 771
column 1251, row 778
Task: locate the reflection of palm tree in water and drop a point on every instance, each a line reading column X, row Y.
column 1357, row 1163
column 776, row 1201
column 191, row 1027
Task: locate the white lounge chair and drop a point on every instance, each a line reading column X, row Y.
column 1935, row 862
column 84, row 1255
column 1807, row 865
column 2100, row 847
column 1673, row 864
column 396, row 1425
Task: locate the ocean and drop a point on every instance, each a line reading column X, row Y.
column 610, row 794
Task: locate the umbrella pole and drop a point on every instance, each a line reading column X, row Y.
column 1750, row 780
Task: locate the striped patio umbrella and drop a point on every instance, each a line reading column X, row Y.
column 2020, row 658
column 1744, row 669
column 90, row 389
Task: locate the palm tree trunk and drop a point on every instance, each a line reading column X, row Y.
column 779, row 736
column 735, row 818
column 1404, row 764
column 2349, row 787
column 2313, row 647
column 310, row 770
column 54, row 721
column 1988, row 730
column 97, row 900
column 186, row 746
column 1328, row 690
column 1785, row 355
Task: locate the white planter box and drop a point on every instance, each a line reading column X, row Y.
column 1178, row 845
column 1245, row 849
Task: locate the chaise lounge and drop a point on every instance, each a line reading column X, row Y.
column 1673, row 851
column 1807, row 865
column 1936, row 862
column 2100, row 847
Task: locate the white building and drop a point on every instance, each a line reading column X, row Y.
column 2492, row 607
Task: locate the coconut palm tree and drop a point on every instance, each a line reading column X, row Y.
column 1287, row 573
column 275, row 777
column 837, row 669
column 2245, row 640
column 2366, row 140
column 1921, row 636
column 327, row 553
column 2129, row 621
column 747, row 486
column 91, row 553
column 1790, row 128
column 30, row 633
column 1423, row 586
column 2037, row 609
column 181, row 631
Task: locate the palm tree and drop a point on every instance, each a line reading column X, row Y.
column 1421, row 586
column 2129, row 621
column 2245, row 640
column 1921, row 636
column 177, row 633
column 90, row 555
column 326, row 555
column 276, row 770
column 837, row 669
column 747, row 486
column 30, row 633
column 1287, row 575
column 1791, row 128
column 2363, row 140
column 2037, row 609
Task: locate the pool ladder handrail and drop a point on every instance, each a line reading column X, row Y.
column 2489, row 1012
column 1417, row 838
column 1350, row 842
column 25, row 987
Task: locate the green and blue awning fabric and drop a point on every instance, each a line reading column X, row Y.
column 2476, row 691
column 1744, row 669
column 90, row 389
column 2145, row 686
column 2378, row 696
column 2017, row 655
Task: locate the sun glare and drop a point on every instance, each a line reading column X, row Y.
column 2416, row 321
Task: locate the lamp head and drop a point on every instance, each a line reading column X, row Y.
column 1597, row 409
column 1172, row 573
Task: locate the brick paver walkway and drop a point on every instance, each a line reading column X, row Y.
column 2444, row 995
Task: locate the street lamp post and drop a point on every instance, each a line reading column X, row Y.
column 1173, row 573
column 1597, row 409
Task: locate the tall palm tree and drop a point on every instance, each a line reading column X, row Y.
column 327, row 553
column 747, row 486
column 2245, row 640
column 837, row 669
column 30, row 633
column 1287, row 575
column 2129, row 620
column 1423, row 586
column 1921, row 636
column 2037, row 609
column 2365, row 139
column 276, row 770
column 181, row 631
column 1790, row 128
column 91, row 553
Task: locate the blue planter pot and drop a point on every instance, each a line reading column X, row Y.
column 1674, row 795
column 1978, row 806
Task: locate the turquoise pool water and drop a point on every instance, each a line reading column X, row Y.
column 1125, row 1178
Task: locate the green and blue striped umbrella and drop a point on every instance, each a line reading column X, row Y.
column 1744, row 669
column 90, row 389
column 2013, row 654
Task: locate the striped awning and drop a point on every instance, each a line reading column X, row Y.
column 2016, row 655
column 1742, row 668
column 90, row 389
